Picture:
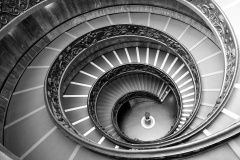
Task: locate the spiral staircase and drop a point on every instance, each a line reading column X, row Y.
column 77, row 78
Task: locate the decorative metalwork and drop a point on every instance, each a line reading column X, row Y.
column 76, row 48
column 9, row 9
column 214, row 16
column 218, row 21
column 114, row 74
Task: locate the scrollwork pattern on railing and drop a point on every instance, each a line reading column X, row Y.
column 79, row 45
column 116, row 73
column 9, row 9
column 218, row 21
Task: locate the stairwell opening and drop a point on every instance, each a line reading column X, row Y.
column 133, row 123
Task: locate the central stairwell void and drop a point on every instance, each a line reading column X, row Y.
column 147, row 119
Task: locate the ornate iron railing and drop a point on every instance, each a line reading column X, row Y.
column 77, row 48
column 11, row 9
column 217, row 21
column 88, row 40
column 116, row 73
